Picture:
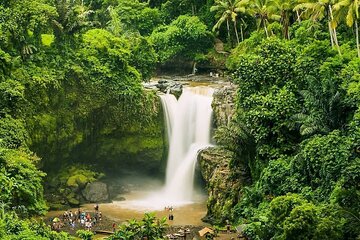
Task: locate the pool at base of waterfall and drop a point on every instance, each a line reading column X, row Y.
column 139, row 202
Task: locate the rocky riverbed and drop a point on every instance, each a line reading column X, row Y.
column 175, row 84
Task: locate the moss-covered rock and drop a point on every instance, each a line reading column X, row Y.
column 96, row 192
column 77, row 181
column 223, row 105
column 73, row 202
column 65, row 188
column 223, row 182
column 111, row 135
column 221, row 185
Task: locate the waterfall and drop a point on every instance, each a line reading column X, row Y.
column 188, row 126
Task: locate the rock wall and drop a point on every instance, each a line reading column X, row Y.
column 223, row 105
column 221, row 186
column 115, row 138
column 223, row 182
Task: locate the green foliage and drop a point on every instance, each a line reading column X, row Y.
column 235, row 137
column 23, row 22
column 148, row 227
column 104, row 58
column 134, row 16
column 301, row 222
column 299, row 101
column 143, row 56
column 277, row 178
column 170, row 10
column 11, row 227
column 77, row 176
column 351, row 80
column 21, row 182
column 85, row 234
column 320, row 162
column 11, row 97
column 186, row 36
column 5, row 63
column 292, row 217
column 66, row 185
column 12, row 133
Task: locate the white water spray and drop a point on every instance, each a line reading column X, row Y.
column 189, row 123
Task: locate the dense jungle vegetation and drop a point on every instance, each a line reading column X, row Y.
column 71, row 73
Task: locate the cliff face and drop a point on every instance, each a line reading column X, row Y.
column 223, row 105
column 222, row 188
column 222, row 181
column 113, row 137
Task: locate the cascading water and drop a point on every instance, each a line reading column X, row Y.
column 189, row 123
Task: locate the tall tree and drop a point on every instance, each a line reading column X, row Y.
column 286, row 10
column 263, row 10
column 348, row 10
column 227, row 10
column 72, row 16
column 319, row 9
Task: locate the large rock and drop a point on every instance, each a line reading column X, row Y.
column 170, row 86
column 96, row 192
column 223, row 188
column 224, row 104
column 223, row 181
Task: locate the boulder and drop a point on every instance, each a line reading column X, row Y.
column 221, row 186
column 176, row 89
column 170, row 86
column 96, row 192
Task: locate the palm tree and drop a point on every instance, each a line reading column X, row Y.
column 349, row 9
column 227, row 10
column 286, row 8
column 324, row 109
column 319, row 9
column 263, row 10
column 72, row 17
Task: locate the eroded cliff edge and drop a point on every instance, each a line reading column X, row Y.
column 223, row 181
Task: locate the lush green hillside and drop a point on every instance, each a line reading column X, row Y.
column 71, row 95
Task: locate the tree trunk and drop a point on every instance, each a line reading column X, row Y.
column 241, row 33
column 357, row 37
column 266, row 31
column 228, row 29
column 298, row 16
column 336, row 41
column 334, row 31
column 286, row 22
column 331, row 35
column 236, row 32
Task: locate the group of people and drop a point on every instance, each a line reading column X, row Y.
column 85, row 219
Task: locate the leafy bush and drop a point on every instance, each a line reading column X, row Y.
column 148, row 227
column 85, row 234
column 21, row 182
column 186, row 36
column 11, row 227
